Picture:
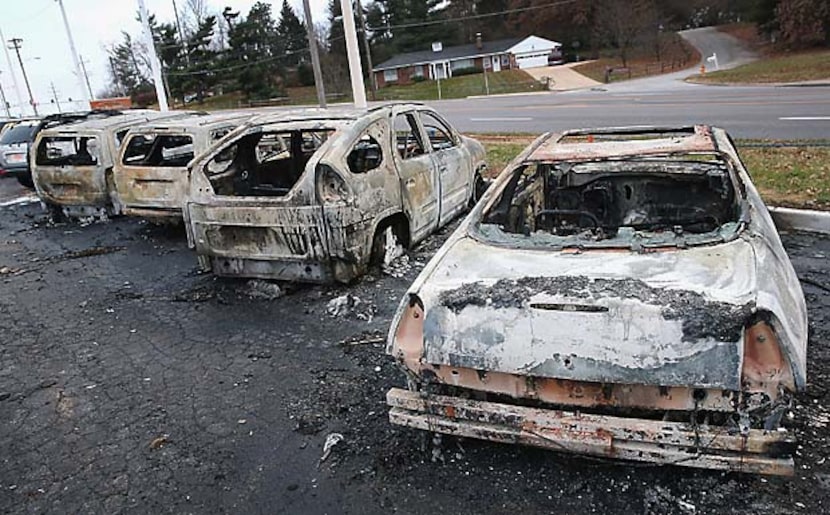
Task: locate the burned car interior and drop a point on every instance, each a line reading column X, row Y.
column 599, row 199
column 161, row 150
column 265, row 164
column 68, row 151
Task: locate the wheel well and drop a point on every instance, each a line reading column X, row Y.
column 400, row 225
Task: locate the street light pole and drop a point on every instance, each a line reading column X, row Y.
column 16, row 87
column 55, row 97
column 75, row 59
column 155, row 65
column 315, row 56
column 16, row 45
column 355, row 68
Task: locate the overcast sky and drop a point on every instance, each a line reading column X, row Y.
column 95, row 25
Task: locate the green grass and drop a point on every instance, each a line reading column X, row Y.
column 800, row 67
column 507, row 81
column 797, row 176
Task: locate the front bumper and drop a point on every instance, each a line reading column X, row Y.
column 644, row 440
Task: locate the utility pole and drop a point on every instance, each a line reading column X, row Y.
column 55, row 97
column 16, row 46
column 75, row 59
column 86, row 77
column 158, row 81
column 16, row 87
column 181, row 34
column 315, row 56
column 355, row 68
column 362, row 18
column 5, row 104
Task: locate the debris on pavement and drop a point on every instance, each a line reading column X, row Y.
column 265, row 290
column 331, row 440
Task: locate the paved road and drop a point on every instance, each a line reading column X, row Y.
column 746, row 112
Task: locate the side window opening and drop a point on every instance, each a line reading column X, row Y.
column 265, row 164
column 170, row 151
column 218, row 134
column 366, row 155
column 68, row 151
column 119, row 137
column 440, row 136
column 407, row 137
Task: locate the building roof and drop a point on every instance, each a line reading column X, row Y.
column 450, row 53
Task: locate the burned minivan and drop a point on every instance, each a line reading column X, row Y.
column 619, row 293
column 72, row 166
column 316, row 195
column 150, row 175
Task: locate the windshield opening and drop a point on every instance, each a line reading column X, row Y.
column 154, row 150
column 644, row 201
column 264, row 163
column 68, row 151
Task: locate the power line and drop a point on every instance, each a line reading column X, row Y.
column 471, row 17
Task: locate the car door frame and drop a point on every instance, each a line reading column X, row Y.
column 454, row 170
column 420, row 182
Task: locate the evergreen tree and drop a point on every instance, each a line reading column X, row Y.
column 292, row 34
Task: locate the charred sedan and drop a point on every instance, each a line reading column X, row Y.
column 315, row 196
column 619, row 293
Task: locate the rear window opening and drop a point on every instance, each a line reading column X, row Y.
column 154, row 150
column 68, row 151
column 617, row 203
column 265, row 164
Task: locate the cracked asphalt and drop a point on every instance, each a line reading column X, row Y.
column 132, row 383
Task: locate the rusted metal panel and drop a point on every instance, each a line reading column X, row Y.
column 553, row 149
column 653, row 441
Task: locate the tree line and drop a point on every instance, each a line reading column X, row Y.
column 260, row 53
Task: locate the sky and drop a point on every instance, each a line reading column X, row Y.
column 95, row 25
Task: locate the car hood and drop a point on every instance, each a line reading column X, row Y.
column 670, row 318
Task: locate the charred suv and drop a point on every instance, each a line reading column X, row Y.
column 620, row 293
column 316, row 195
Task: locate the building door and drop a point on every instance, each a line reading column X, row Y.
column 496, row 63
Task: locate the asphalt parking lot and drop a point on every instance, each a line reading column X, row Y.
column 130, row 382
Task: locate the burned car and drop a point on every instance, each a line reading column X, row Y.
column 317, row 195
column 73, row 163
column 619, row 293
column 150, row 175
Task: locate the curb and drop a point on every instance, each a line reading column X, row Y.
column 801, row 220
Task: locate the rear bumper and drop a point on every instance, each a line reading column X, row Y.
column 653, row 441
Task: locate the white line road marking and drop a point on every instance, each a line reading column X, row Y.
column 28, row 199
column 517, row 119
column 806, row 118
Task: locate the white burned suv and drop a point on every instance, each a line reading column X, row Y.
column 317, row 195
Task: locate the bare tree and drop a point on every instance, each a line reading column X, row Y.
column 621, row 24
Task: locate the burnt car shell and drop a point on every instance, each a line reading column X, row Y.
column 72, row 164
column 150, row 175
column 628, row 326
column 311, row 195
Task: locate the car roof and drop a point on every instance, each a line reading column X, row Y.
column 340, row 114
column 116, row 121
column 622, row 142
column 204, row 120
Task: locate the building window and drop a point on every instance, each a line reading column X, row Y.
column 418, row 71
column 390, row 75
column 462, row 64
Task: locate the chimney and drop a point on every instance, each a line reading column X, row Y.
column 479, row 44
